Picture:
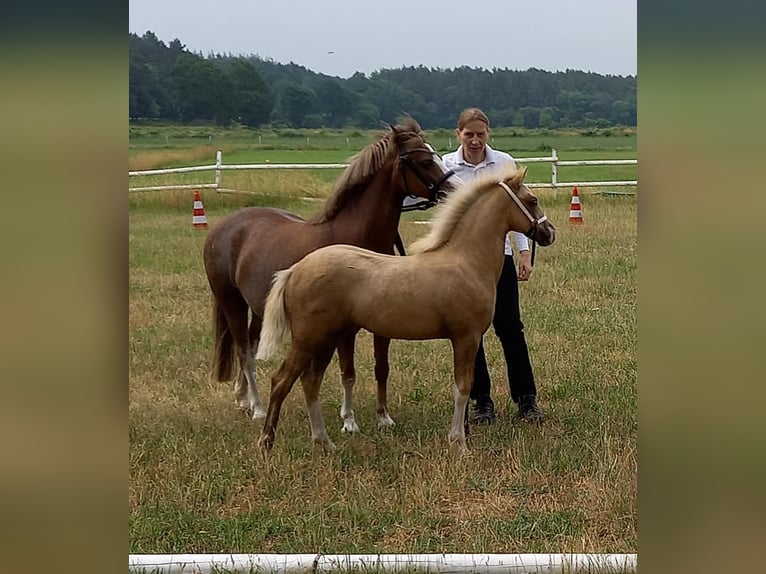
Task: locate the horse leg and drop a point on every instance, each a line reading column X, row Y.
column 347, row 379
column 312, row 381
column 246, row 391
column 464, row 351
column 248, row 396
column 281, row 384
column 381, row 345
column 236, row 309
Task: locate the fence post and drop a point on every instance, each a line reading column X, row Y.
column 218, row 162
column 554, row 170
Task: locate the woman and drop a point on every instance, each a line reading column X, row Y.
column 472, row 158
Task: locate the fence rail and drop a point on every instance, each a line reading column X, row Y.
column 218, row 167
column 328, row 563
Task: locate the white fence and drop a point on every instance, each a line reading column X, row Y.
column 319, row 563
column 218, row 167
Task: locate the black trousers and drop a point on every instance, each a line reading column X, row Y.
column 510, row 331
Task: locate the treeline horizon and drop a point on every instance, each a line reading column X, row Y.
column 170, row 83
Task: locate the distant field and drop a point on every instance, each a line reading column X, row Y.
column 147, row 138
column 199, row 484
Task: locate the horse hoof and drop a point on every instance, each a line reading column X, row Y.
column 460, row 448
column 385, row 421
column 329, row 447
column 266, row 442
column 258, row 413
column 350, row 426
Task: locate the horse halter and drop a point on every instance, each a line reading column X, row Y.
column 532, row 231
column 433, row 187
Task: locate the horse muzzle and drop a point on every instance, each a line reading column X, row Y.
column 543, row 233
column 446, row 185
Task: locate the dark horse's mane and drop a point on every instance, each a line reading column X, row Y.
column 364, row 165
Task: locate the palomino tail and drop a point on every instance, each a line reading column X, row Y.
column 224, row 351
column 275, row 330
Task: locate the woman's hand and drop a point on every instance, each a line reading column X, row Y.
column 525, row 265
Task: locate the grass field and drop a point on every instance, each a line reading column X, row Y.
column 152, row 137
column 199, row 484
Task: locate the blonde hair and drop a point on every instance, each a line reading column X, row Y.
column 471, row 114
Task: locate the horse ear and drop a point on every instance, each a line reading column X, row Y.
column 518, row 177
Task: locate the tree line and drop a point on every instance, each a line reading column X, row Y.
column 170, row 83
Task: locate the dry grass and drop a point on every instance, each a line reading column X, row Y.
column 161, row 158
column 199, row 483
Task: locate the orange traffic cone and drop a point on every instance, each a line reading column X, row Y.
column 575, row 211
column 199, row 220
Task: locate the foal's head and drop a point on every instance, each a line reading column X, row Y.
column 527, row 216
column 523, row 212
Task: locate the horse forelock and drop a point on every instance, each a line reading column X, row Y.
column 404, row 134
column 449, row 213
column 365, row 164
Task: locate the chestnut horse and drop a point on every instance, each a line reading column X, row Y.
column 444, row 290
column 244, row 250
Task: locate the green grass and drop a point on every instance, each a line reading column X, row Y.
column 199, row 483
column 148, row 137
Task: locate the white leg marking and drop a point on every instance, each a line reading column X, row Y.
column 457, row 430
column 246, row 392
column 253, row 398
column 346, row 409
column 384, row 421
column 318, row 430
column 240, row 388
column 255, row 404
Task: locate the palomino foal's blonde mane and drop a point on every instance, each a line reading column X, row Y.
column 364, row 165
column 452, row 210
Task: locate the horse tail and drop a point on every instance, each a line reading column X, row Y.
column 276, row 329
column 224, row 352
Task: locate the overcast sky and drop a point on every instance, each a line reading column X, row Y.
column 341, row 37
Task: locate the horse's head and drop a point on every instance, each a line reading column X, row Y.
column 528, row 218
column 422, row 171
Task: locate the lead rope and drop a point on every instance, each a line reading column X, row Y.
column 399, row 244
column 534, row 244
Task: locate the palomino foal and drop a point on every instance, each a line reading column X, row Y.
column 444, row 290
